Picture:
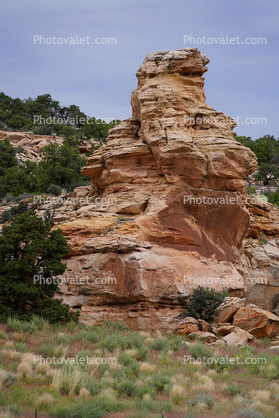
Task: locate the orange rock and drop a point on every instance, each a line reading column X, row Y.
column 257, row 321
column 187, row 326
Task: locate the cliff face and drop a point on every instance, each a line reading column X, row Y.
column 173, row 179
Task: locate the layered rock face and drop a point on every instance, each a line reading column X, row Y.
column 175, row 217
column 173, row 153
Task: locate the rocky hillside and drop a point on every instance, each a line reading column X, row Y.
column 167, row 210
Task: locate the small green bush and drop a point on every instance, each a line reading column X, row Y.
column 273, row 197
column 160, row 344
column 127, row 388
column 115, row 325
column 3, row 335
column 177, row 342
column 39, row 322
column 24, row 326
column 111, row 342
column 160, row 381
column 203, row 398
column 22, row 347
column 203, row 302
column 125, row 359
column 251, row 191
column 97, row 408
column 262, row 239
column 142, row 354
column 150, row 405
column 248, row 413
column 54, row 190
column 199, row 351
column 233, row 390
column 220, row 364
column 137, row 340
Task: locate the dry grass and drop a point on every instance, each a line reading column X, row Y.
column 44, row 402
column 261, row 395
column 146, row 367
column 177, row 394
column 3, row 377
column 84, row 393
column 205, row 384
column 24, row 369
column 42, row 368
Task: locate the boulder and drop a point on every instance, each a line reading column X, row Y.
column 204, row 326
column 187, row 326
column 257, row 321
column 237, row 337
column 225, row 312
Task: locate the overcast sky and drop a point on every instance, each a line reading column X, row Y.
column 242, row 80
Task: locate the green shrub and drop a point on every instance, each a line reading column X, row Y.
column 262, row 239
column 233, row 390
column 220, row 364
column 97, row 408
column 72, row 186
column 248, row 413
column 23, row 326
column 22, row 347
column 137, row 340
column 251, row 191
column 177, row 342
column 94, row 386
column 43, row 130
column 5, row 216
column 53, row 350
column 150, row 405
column 199, row 351
column 160, row 344
column 111, row 342
column 3, row 335
column 54, row 190
column 19, row 150
column 142, row 354
column 115, row 325
column 86, row 335
column 273, row 197
column 203, row 398
column 127, row 388
column 125, row 359
column 8, row 215
column 15, row 409
column 203, row 302
column 160, row 381
column 40, row 322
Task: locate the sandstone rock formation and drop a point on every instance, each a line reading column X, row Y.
column 175, row 177
column 167, row 210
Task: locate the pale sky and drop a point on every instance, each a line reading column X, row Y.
column 242, row 80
